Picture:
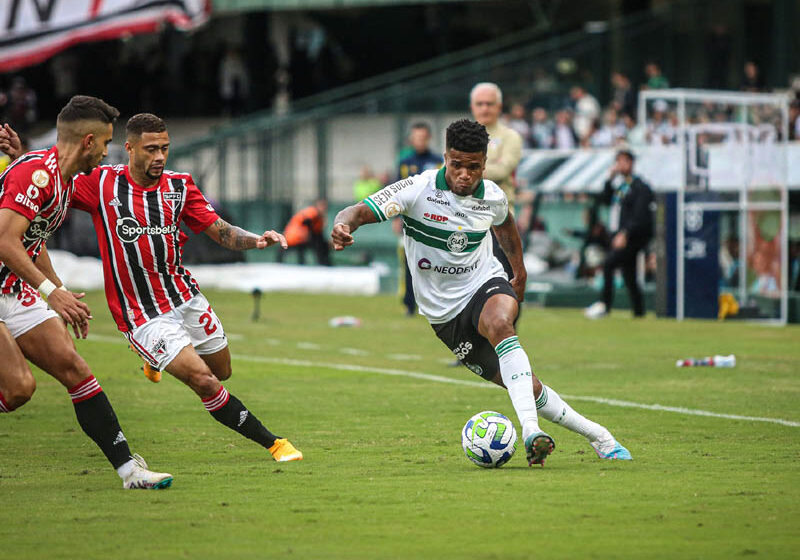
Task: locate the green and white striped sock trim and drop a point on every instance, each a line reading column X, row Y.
column 508, row 345
column 542, row 400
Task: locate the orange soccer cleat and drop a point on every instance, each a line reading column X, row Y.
column 150, row 372
column 283, row 450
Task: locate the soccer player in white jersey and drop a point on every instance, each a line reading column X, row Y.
column 462, row 289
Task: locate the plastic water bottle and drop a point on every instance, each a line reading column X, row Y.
column 716, row 361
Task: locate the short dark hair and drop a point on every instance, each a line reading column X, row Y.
column 626, row 153
column 420, row 124
column 87, row 108
column 467, row 136
column 144, row 122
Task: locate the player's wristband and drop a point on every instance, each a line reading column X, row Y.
column 62, row 287
column 46, row 288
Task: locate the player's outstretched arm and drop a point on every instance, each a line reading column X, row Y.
column 508, row 237
column 348, row 221
column 10, row 142
column 14, row 255
column 237, row 239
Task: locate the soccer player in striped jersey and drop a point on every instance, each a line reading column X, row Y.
column 157, row 305
column 461, row 287
column 35, row 192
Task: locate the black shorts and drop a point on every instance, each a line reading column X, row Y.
column 461, row 335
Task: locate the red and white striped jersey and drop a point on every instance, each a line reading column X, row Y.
column 140, row 241
column 32, row 186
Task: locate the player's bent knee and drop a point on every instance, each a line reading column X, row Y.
column 500, row 327
column 21, row 392
column 204, row 383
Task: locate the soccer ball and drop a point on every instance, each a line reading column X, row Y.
column 489, row 439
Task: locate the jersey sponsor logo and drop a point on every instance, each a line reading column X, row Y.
column 37, row 229
column 435, row 218
column 425, row 264
column 392, row 209
column 129, row 230
column 457, row 241
column 480, row 207
column 40, row 178
column 437, row 200
column 27, row 202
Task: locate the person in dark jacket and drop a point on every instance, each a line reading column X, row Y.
column 631, row 224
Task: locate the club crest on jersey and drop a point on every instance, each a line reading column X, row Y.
column 40, row 178
column 37, row 229
column 172, row 198
column 129, row 230
column 457, row 242
column 392, row 210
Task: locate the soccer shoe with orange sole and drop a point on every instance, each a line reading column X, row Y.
column 537, row 447
column 283, row 450
column 150, row 372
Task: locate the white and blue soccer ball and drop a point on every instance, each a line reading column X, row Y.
column 489, row 439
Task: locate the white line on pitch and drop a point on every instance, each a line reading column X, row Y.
column 480, row 384
column 487, row 385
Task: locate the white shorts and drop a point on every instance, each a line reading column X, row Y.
column 161, row 339
column 23, row 311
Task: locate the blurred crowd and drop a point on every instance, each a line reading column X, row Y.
column 579, row 120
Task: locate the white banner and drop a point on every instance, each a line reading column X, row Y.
column 31, row 31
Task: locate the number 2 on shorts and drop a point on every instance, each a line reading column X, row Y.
column 208, row 322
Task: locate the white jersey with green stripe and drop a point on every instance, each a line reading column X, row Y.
column 447, row 240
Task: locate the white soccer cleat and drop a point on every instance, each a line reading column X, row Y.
column 142, row 477
column 596, row 311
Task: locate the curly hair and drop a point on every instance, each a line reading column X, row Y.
column 144, row 122
column 467, row 136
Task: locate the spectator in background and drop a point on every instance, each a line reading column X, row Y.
column 366, row 184
column 623, row 96
column 305, row 230
column 751, row 79
column 631, row 227
column 21, row 106
column 541, row 129
column 234, row 83
column 503, row 153
column 516, row 121
column 564, row 137
column 587, row 110
column 659, row 129
column 794, row 120
column 655, row 79
column 610, row 133
column 422, row 159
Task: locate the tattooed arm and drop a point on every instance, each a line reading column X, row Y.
column 237, row 239
column 508, row 237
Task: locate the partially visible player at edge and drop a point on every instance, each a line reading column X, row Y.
column 35, row 192
column 462, row 289
column 157, row 305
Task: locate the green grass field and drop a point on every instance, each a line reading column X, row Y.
column 384, row 474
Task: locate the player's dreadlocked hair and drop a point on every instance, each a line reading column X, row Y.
column 467, row 136
column 144, row 122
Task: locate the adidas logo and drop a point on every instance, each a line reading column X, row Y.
column 120, row 438
column 115, row 202
column 242, row 417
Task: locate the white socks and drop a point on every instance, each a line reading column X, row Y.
column 126, row 469
column 515, row 369
column 553, row 408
